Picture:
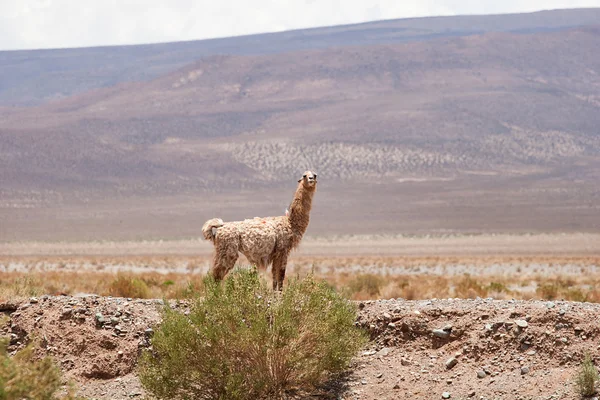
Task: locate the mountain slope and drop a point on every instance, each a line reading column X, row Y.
column 491, row 132
column 35, row 76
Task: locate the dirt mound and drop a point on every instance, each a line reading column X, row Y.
column 95, row 340
column 473, row 348
column 419, row 349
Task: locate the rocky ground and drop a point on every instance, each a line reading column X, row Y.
column 457, row 349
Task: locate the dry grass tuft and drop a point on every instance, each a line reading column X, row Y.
column 586, row 377
column 128, row 286
column 361, row 277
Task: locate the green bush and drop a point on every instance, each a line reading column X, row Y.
column 241, row 340
column 24, row 377
column 586, row 377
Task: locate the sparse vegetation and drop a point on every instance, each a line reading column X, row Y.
column 169, row 277
column 128, row 286
column 25, row 377
column 469, row 288
column 586, row 377
column 365, row 286
column 241, row 340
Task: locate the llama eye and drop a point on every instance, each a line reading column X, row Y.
column 304, row 176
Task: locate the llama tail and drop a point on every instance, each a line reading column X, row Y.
column 209, row 230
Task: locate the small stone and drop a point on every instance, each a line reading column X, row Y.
column 524, row 370
column 405, row 362
column 446, row 395
column 440, row 333
column 118, row 328
column 531, row 353
column 387, row 316
column 391, row 325
column 472, row 393
column 451, row 362
column 550, row 304
column 497, row 325
column 149, row 332
column 363, row 382
column 33, row 300
column 99, row 318
column 396, row 386
column 521, row 323
column 379, row 375
column 114, row 321
column 481, row 374
column 384, row 352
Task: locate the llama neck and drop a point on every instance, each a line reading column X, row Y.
column 300, row 210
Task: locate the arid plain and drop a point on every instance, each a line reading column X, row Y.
column 458, row 162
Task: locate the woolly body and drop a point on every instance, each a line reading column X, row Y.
column 263, row 241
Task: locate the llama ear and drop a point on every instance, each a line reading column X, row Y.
column 299, row 180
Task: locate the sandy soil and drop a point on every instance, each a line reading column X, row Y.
column 579, row 244
column 520, row 349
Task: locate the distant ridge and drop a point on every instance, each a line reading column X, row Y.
column 32, row 77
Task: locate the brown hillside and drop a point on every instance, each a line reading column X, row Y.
column 486, row 132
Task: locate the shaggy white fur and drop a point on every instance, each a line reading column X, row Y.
column 263, row 241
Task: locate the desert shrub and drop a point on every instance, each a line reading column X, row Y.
column 548, row 291
column 241, row 340
column 497, row 287
column 575, row 294
column 24, row 377
column 468, row 287
column 183, row 290
column 586, row 377
column 562, row 288
column 365, row 285
column 396, row 288
column 22, row 286
column 128, row 286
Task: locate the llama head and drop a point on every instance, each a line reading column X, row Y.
column 309, row 179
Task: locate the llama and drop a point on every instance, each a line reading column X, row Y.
column 263, row 241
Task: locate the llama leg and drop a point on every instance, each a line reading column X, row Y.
column 224, row 260
column 279, row 265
